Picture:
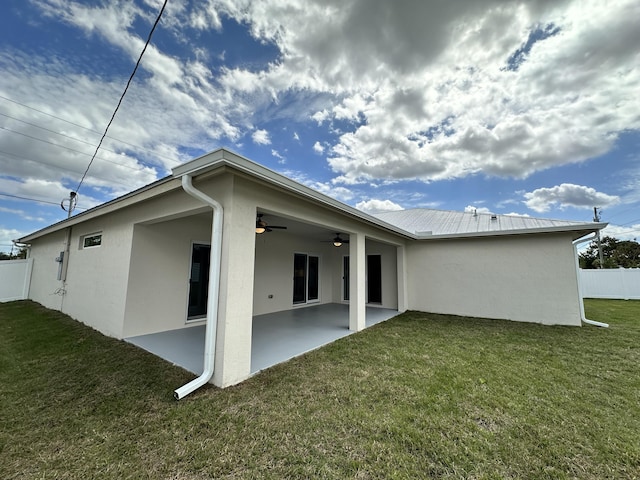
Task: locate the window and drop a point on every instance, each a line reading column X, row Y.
column 199, row 281
column 92, row 240
column 306, row 276
column 374, row 279
column 345, row 278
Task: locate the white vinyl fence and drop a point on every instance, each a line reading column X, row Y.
column 622, row 283
column 15, row 276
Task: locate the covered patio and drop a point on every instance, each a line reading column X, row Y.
column 276, row 337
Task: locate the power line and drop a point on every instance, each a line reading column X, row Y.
column 58, row 167
column 632, row 221
column 51, row 115
column 80, row 126
column 617, row 214
column 71, row 149
column 33, row 199
column 53, row 131
column 155, row 24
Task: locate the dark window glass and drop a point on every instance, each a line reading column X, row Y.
column 199, row 281
column 299, row 277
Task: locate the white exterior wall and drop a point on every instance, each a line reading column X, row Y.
column 45, row 287
column 388, row 257
column 274, row 271
column 235, row 310
column 136, row 282
column 96, row 285
column 523, row 278
column 272, row 249
column 159, row 273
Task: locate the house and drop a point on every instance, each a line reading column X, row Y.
column 223, row 241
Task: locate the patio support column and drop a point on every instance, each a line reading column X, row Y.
column 235, row 314
column 401, row 263
column 357, row 297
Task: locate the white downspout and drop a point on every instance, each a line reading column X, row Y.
column 575, row 253
column 214, row 290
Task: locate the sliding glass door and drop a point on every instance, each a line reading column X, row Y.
column 306, row 278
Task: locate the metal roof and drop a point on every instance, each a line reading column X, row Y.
column 426, row 223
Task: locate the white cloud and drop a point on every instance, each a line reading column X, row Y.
column 568, row 195
column 339, row 193
column 622, row 232
column 22, row 214
column 320, row 116
column 6, row 237
column 318, row 148
column 376, row 206
column 471, row 209
column 261, row 137
column 420, row 91
column 430, row 89
column 281, row 159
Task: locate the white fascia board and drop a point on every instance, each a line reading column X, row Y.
column 223, row 157
column 158, row 187
column 581, row 230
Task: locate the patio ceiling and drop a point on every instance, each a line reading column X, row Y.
column 299, row 228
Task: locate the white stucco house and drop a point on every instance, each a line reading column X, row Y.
column 201, row 247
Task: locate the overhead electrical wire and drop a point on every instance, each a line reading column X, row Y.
column 58, row 167
column 155, row 24
column 55, row 133
column 138, row 169
column 617, row 214
column 33, row 199
column 632, row 221
column 79, row 126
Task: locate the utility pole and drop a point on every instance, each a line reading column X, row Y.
column 596, row 218
column 71, row 202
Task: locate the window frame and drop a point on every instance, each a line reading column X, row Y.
column 84, row 238
column 308, row 281
column 200, row 317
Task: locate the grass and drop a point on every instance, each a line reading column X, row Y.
column 420, row 396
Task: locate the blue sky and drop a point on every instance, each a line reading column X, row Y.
column 525, row 108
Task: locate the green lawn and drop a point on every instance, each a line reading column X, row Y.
column 420, row 396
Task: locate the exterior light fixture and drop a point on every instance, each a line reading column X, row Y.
column 337, row 241
column 262, row 226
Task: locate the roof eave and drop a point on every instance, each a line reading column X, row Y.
column 579, row 230
column 103, row 208
column 225, row 158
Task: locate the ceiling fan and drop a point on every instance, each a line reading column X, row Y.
column 262, row 226
column 337, row 240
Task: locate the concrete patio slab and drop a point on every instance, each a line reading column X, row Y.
column 276, row 337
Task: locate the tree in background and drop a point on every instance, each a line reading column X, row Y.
column 20, row 253
column 616, row 253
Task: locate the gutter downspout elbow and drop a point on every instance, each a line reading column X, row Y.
column 582, row 314
column 214, row 289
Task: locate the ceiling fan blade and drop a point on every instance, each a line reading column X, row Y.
column 261, row 223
